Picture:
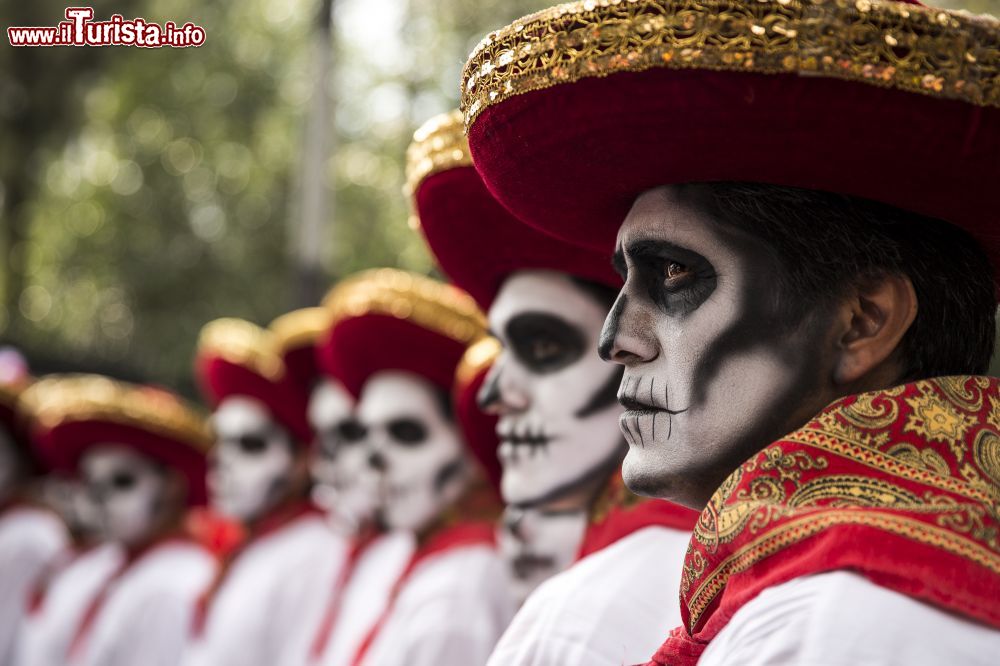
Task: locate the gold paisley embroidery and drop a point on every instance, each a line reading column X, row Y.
column 986, row 453
column 928, row 459
column 937, row 420
column 935, row 52
column 965, row 393
column 850, row 490
column 804, row 526
column 871, row 411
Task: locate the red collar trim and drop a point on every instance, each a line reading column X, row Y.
column 618, row 512
column 898, row 485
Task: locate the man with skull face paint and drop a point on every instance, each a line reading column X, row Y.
column 141, row 453
column 31, row 537
column 395, row 341
column 801, row 355
column 258, row 475
column 561, row 447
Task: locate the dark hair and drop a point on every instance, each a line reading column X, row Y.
column 828, row 243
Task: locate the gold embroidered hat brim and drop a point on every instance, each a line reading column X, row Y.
column 573, row 111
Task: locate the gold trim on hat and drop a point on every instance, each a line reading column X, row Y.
column 299, row 328
column 242, row 343
column 436, row 306
column 941, row 53
column 479, row 356
column 439, row 145
column 59, row 399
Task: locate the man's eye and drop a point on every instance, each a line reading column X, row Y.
column 123, row 481
column 544, row 349
column 676, row 275
column 407, row 431
column 252, row 444
column 351, row 431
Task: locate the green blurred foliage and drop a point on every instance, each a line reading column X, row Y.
column 145, row 192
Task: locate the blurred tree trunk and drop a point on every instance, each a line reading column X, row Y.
column 315, row 207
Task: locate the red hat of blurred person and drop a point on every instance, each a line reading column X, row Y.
column 478, row 427
column 387, row 319
column 295, row 334
column 574, row 111
column 238, row 358
column 70, row 414
column 476, row 241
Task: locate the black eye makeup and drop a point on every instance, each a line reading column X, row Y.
column 252, row 444
column 543, row 342
column 407, row 431
column 351, row 431
column 676, row 279
column 122, row 481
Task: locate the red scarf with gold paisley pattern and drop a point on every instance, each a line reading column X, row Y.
column 901, row 486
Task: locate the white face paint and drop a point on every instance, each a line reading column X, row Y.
column 9, row 463
column 416, row 451
column 558, row 414
column 128, row 489
column 344, row 483
column 71, row 499
column 253, row 461
column 538, row 543
column 713, row 372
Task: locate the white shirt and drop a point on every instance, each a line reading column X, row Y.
column 145, row 617
column 48, row 630
column 30, row 538
column 276, row 585
column 366, row 595
column 450, row 611
column 615, row 606
column 843, row 619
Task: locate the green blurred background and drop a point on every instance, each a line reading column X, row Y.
column 145, row 192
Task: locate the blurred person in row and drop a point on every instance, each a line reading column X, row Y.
column 395, row 341
column 258, row 475
column 347, row 488
column 141, row 454
column 31, row 535
column 561, row 445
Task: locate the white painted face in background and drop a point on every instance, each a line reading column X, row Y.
column 9, row 463
column 129, row 490
column 344, row 484
column 413, row 446
column 74, row 503
column 713, row 369
column 538, row 543
column 253, row 461
column 558, row 422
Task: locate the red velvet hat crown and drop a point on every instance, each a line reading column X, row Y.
column 475, row 240
column 575, row 110
column 386, row 319
column 236, row 357
column 70, row 414
column 295, row 334
column 479, row 428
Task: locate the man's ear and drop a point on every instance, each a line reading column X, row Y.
column 874, row 319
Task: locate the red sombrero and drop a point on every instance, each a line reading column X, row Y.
column 475, row 240
column 479, row 428
column 295, row 333
column 70, row 414
column 236, row 357
column 575, row 110
column 386, row 319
